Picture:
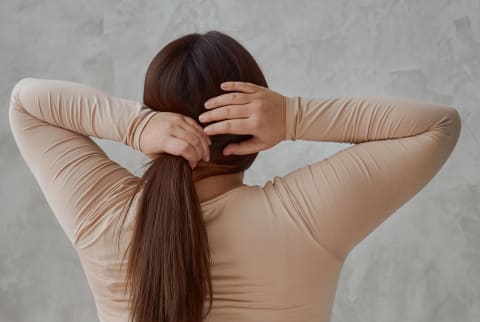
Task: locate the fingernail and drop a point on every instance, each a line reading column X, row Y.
column 201, row 117
column 207, row 104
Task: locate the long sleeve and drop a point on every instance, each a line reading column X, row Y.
column 398, row 146
column 51, row 121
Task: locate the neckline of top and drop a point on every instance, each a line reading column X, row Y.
column 220, row 196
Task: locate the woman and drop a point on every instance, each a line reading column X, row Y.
column 198, row 243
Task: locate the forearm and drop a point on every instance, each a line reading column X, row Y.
column 365, row 118
column 82, row 109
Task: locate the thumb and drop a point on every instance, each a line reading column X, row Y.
column 244, row 147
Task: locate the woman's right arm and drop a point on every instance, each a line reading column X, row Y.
column 399, row 145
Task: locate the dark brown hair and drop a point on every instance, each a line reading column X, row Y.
column 169, row 260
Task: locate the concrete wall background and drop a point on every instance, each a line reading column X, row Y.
column 422, row 264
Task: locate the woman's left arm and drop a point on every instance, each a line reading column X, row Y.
column 51, row 121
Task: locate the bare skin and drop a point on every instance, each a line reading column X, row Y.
column 248, row 109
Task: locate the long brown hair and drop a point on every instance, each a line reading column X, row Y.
column 168, row 270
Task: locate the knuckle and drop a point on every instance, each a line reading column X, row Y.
column 185, row 147
column 262, row 94
column 189, row 120
column 170, row 126
column 257, row 104
column 256, row 124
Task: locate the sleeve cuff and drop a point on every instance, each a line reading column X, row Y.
column 291, row 113
column 137, row 126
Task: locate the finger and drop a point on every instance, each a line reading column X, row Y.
column 246, row 87
column 243, row 147
column 191, row 121
column 205, row 140
column 225, row 112
column 235, row 126
column 177, row 146
column 191, row 136
column 228, row 99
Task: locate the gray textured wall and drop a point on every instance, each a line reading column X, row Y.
column 422, row 264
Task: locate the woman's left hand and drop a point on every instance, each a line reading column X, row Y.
column 176, row 134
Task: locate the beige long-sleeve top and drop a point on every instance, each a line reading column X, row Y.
column 277, row 249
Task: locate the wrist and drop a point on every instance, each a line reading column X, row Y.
column 145, row 115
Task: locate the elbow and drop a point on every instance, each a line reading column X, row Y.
column 25, row 94
column 15, row 101
column 456, row 121
column 452, row 124
column 18, row 88
column 23, row 83
column 449, row 125
column 17, row 98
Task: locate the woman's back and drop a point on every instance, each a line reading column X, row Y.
column 264, row 266
column 277, row 249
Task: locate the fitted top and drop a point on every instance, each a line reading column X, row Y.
column 278, row 247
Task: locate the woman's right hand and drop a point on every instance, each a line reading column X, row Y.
column 252, row 109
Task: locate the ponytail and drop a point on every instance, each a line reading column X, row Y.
column 168, row 270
